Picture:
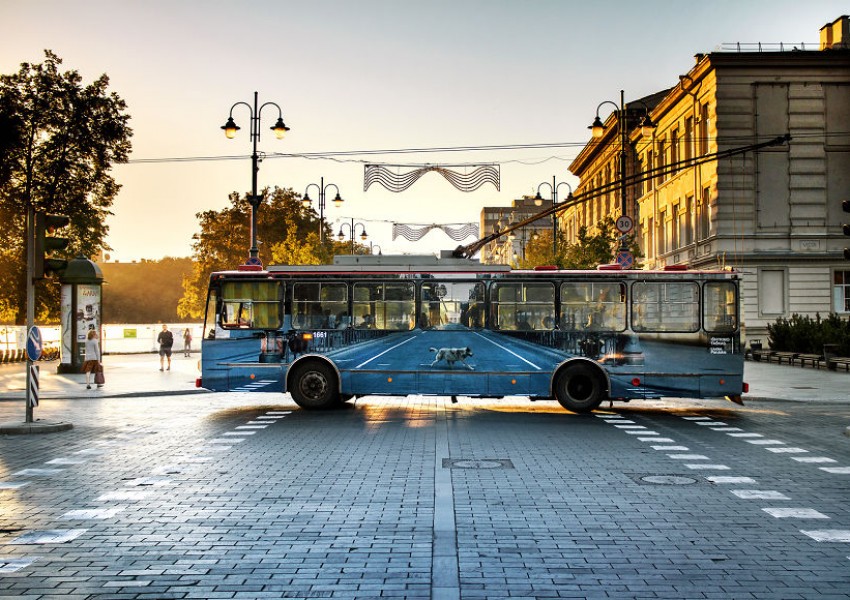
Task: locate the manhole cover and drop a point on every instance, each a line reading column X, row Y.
column 479, row 463
column 667, row 479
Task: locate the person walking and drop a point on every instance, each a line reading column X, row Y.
column 187, row 342
column 165, row 339
column 91, row 364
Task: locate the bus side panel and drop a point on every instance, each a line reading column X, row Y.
column 231, row 364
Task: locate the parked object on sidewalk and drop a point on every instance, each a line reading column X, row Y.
column 99, row 377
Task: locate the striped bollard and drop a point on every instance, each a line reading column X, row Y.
column 32, row 397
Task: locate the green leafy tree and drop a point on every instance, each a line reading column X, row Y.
column 287, row 233
column 59, row 139
column 590, row 250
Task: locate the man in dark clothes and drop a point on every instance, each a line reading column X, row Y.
column 165, row 340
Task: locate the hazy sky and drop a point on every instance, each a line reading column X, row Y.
column 368, row 75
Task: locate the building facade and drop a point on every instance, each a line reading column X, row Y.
column 774, row 214
column 509, row 249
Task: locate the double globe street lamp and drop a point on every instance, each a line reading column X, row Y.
column 597, row 129
column 306, row 202
column 352, row 229
column 538, row 201
column 230, row 128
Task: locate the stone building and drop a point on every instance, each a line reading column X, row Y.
column 774, row 214
column 508, row 249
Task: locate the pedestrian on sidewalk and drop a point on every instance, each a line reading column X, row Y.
column 92, row 364
column 187, row 342
column 165, row 339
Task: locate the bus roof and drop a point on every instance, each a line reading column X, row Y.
column 378, row 264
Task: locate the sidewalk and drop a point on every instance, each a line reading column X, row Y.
column 126, row 375
column 139, row 375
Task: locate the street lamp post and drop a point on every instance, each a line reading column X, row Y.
column 306, row 202
column 538, row 201
column 230, row 129
column 352, row 227
column 598, row 129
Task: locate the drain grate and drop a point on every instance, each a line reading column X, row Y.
column 664, row 479
column 477, row 463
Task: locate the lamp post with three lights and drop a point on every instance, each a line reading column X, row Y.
column 352, row 228
column 306, row 202
column 538, row 201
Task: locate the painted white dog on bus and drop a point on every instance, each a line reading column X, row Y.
column 452, row 355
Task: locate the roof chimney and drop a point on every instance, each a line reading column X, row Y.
column 836, row 35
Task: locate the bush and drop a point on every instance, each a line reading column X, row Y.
column 806, row 335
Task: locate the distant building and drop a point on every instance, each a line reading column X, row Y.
column 776, row 214
column 509, row 249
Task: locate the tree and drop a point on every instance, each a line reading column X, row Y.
column 143, row 292
column 58, row 141
column 287, row 233
column 589, row 251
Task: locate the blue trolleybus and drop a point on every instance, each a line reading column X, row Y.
column 383, row 325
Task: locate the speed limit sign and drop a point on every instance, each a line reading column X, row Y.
column 625, row 224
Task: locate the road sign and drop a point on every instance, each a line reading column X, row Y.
column 625, row 224
column 34, row 345
column 625, row 259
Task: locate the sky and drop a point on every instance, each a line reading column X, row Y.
column 367, row 75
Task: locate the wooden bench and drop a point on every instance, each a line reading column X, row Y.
column 814, row 359
column 782, row 356
column 833, row 363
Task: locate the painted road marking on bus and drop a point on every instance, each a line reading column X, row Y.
column 509, row 351
column 254, row 385
column 390, row 349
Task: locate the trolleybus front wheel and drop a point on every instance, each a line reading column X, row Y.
column 579, row 388
column 313, row 385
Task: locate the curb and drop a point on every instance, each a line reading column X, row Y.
column 34, row 427
column 137, row 394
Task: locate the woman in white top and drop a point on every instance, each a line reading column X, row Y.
column 92, row 361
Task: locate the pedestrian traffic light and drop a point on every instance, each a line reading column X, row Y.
column 46, row 244
column 845, row 205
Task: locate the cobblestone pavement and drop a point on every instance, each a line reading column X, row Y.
column 246, row 496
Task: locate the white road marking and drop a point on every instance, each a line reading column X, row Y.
column 657, row 439
column 109, row 496
column 729, row 479
column 37, row 472
column 745, row 435
column 813, row 459
column 49, row 536
column 707, row 467
column 786, row 450
column 760, row 495
column 10, row 565
column 92, row 513
column 795, row 513
column 829, row 535
column 390, row 349
column 509, row 351
column 671, row 448
column 688, row 456
column 836, row 470
column 765, row 442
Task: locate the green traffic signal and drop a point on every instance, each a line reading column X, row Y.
column 46, row 244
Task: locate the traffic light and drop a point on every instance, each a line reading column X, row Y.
column 46, row 244
column 845, row 227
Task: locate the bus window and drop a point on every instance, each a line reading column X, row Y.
column 522, row 306
column 251, row 305
column 448, row 304
column 720, row 310
column 320, row 306
column 665, row 306
column 209, row 319
column 595, row 306
column 384, row 305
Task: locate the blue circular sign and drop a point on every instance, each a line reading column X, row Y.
column 34, row 344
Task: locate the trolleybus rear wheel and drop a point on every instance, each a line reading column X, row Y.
column 314, row 386
column 579, row 388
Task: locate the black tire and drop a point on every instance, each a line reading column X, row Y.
column 579, row 388
column 314, row 386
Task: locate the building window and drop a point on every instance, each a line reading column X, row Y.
column 674, row 149
column 689, row 138
column 662, row 233
column 703, row 129
column 841, row 291
column 650, row 165
column 771, row 292
column 660, row 156
column 675, row 228
column 687, row 222
column 703, row 215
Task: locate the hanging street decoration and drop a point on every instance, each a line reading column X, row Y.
column 399, row 182
column 414, row 233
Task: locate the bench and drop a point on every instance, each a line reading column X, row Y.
column 815, row 359
column 758, row 354
column 782, row 356
column 834, row 362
